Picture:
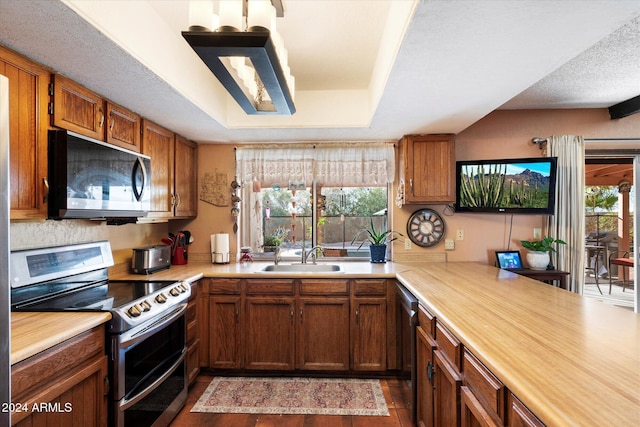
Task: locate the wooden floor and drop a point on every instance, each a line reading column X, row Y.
column 396, row 393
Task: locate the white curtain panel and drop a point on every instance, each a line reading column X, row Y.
column 358, row 164
column 568, row 222
column 345, row 164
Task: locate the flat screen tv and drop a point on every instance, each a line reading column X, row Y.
column 519, row 186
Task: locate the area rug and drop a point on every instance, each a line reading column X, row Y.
column 293, row 396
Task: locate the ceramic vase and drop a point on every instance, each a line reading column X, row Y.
column 538, row 260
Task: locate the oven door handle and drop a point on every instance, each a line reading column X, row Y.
column 143, row 331
column 127, row 403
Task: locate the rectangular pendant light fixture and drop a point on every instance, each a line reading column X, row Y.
column 258, row 47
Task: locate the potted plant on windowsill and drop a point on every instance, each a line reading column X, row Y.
column 275, row 239
column 377, row 242
column 538, row 257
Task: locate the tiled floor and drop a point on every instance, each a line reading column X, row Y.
column 396, row 393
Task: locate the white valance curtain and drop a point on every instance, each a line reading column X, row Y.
column 347, row 164
column 568, row 222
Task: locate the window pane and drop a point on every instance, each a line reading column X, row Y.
column 347, row 211
column 286, row 218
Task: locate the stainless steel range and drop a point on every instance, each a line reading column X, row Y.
column 145, row 337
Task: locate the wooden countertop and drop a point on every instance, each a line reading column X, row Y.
column 194, row 271
column 572, row 360
column 32, row 333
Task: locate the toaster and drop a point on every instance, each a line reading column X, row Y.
column 149, row 259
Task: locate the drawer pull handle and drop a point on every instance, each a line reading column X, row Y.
column 430, row 371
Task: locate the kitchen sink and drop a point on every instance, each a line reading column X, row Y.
column 303, row 268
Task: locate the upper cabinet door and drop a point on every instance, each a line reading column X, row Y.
column 77, row 109
column 157, row 143
column 186, row 169
column 428, row 164
column 28, row 98
column 123, row 127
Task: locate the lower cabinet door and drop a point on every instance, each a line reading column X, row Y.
column 323, row 334
column 447, row 382
column 225, row 333
column 425, row 347
column 370, row 334
column 269, row 340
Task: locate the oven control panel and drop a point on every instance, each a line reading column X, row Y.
column 150, row 305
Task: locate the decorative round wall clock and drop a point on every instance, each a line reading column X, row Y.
column 425, row 227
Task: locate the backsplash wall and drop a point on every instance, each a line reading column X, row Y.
column 28, row 235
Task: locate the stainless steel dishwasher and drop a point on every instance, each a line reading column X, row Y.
column 409, row 321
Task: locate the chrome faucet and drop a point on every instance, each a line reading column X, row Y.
column 276, row 257
column 310, row 252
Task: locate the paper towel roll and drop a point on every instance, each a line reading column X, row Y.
column 213, row 248
column 221, row 254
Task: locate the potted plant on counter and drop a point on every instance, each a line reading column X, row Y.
column 377, row 242
column 538, row 257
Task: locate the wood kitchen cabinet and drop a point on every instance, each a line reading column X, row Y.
column 28, row 99
column 193, row 338
column 482, row 396
column 270, row 325
column 78, row 109
column 427, row 165
column 424, row 371
column 519, row 415
column 369, row 325
column 185, row 182
column 225, row 324
column 123, row 127
column 68, row 381
column 328, row 325
column 158, row 143
column 323, row 325
column 173, row 172
column 447, row 378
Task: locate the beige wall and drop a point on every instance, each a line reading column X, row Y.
column 498, row 135
column 211, row 219
column 506, row 134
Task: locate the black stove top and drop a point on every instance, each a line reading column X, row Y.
column 75, row 278
column 105, row 296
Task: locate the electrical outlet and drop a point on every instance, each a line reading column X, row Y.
column 460, row 234
column 449, row 244
column 407, row 244
column 537, row 233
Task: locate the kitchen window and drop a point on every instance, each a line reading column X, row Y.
column 305, row 196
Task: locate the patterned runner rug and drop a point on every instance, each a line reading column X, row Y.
column 293, row 396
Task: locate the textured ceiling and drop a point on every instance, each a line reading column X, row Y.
column 365, row 70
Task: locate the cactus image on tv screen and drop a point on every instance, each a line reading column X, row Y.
column 508, row 185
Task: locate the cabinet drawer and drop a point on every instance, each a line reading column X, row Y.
column 519, row 415
column 427, row 321
column 55, row 362
column 270, row 287
column 224, row 286
column 484, row 385
column 370, row 287
column 192, row 312
column 192, row 331
column 324, row 287
column 449, row 344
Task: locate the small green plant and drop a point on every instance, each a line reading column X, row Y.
column 374, row 237
column 544, row 245
column 277, row 237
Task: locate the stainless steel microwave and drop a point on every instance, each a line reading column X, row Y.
column 92, row 179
